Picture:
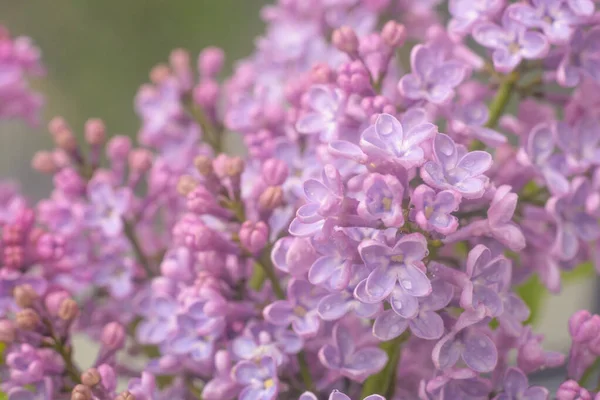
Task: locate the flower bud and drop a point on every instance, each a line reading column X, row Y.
column 228, row 167
column 583, row 326
column 186, row 185
column 54, row 300
column 43, row 161
column 345, row 39
column 159, row 73
column 7, row 331
column 108, row 377
column 91, row 377
column 126, row 395
column 27, row 319
column 271, row 198
column 321, row 73
column 118, row 148
column 13, row 256
column 68, row 310
column 210, row 61
column 254, row 236
column 25, row 295
column 393, row 34
column 140, row 160
column 206, row 93
column 81, row 392
column 95, row 132
column 50, row 247
column 65, row 140
column 570, row 390
column 274, row 172
column 113, row 335
column 204, row 165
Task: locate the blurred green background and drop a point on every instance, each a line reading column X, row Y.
column 98, row 52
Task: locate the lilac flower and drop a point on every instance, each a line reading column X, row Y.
column 553, row 16
column 580, row 144
column 581, row 59
column 107, row 207
column 465, row 13
column 258, row 378
column 470, row 343
column 26, row 365
column 337, row 395
column 469, row 119
column 426, row 323
column 159, row 319
column 197, row 331
column 398, row 142
column 511, row 43
column 342, row 356
column 486, row 276
column 322, row 119
column 383, row 200
column 158, row 107
column 461, row 384
column 516, row 387
column 433, row 210
column 455, row 169
column 144, row 388
column 222, row 384
column 574, row 222
column 433, row 78
column 117, row 276
column 324, row 200
column 293, row 255
column 531, row 356
column 401, row 264
column 300, row 309
column 261, row 340
column 337, row 304
column 332, row 269
column 500, row 215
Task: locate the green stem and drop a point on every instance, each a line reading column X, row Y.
column 65, row 353
column 129, row 231
column 498, row 104
column 212, row 136
column 588, row 372
column 384, row 382
column 264, row 263
column 305, row 372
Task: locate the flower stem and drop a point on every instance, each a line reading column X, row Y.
column 212, row 136
column 129, row 231
column 384, row 382
column 305, row 372
column 264, row 263
column 588, row 372
column 65, row 352
column 498, row 105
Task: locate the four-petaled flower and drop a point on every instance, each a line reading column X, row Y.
column 516, row 387
column 258, row 378
column 107, row 207
column 455, row 169
column 433, row 209
column 325, row 106
column 382, row 200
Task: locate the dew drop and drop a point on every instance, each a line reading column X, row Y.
column 407, row 284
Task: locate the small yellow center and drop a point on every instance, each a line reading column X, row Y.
column 387, row 203
column 428, row 212
column 300, row 311
column 514, row 48
column 269, row 383
column 398, row 258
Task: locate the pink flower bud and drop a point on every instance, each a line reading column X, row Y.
column 271, row 198
column 113, row 336
column 91, row 377
column 570, row 390
column 583, row 326
column 274, row 172
column 7, row 331
column 54, row 300
column 13, row 256
column 25, row 296
column 254, row 236
column 140, row 160
column 210, row 61
column 108, row 377
column 50, row 247
column 345, row 39
column 228, row 167
column 95, row 132
column 118, row 148
column 126, row 395
column 393, row 34
column 81, row 392
column 69, row 310
column 204, row 165
column 321, row 73
column 200, row 200
column 27, row 319
column 43, row 161
column 206, row 93
column 159, row 73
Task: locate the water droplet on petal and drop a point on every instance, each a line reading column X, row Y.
column 407, row 284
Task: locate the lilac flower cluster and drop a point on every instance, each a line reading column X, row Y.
column 368, row 246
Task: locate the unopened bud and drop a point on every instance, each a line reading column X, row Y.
column 140, row 160
column 204, row 165
column 254, row 236
column 271, row 198
column 7, row 331
column 91, row 377
column 160, row 73
column 25, row 295
column 65, row 140
column 126, row 395
column 118, row 148
column 274, row 172
column 186, row 185
column 210, row 61
column 27, row 319
column 68, row 310
column 54, row 300
column 393, row 34
column 228, row 167
column 95, row 132
column 113, row 335
column 345, row 39
column 81, row 392
column 43, row 161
